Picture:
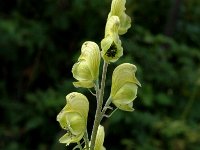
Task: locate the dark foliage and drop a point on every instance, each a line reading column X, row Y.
column 41, row 40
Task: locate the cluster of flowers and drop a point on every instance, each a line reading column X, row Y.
column 73, row 117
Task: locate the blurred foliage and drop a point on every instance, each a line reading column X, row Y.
column 40, row 41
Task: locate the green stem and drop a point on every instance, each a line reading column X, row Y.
column 79, row 145
column 106, row 107
column 98, row 115
column 86, row 140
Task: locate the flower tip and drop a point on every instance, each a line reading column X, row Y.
column 118, row 9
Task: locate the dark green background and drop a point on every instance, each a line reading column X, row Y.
column 41, row 40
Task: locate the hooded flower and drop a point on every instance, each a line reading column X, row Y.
column 73, row 118
column 111, row 44
column 86, row 70
column 118, row 9
column 124, row 86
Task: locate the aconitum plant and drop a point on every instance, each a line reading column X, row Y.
column 73, row 117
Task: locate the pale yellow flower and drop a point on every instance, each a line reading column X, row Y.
column 118, row 9
column 73, row 118
column 124, row 86
column 86, row 70
column 111, row 44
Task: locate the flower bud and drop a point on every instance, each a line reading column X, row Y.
column 112, row 26
column 111, row 44
column 124, row 86
column 86, row 70
column 73, row 118
column 100, row 139
column 118, row 9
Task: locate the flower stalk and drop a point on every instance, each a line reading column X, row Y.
column 86, row 140
column 98, row 115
